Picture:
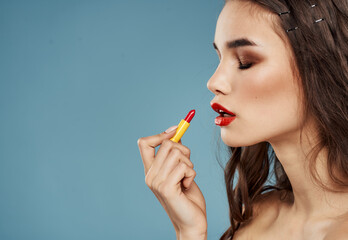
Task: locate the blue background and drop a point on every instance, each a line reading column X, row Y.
column 80, row 82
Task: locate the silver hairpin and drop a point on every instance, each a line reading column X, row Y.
column 281, row 13
column 319, row 20
column 294, row 28
column 291, row 29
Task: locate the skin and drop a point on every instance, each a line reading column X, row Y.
column 170, row 175
column 266, row 99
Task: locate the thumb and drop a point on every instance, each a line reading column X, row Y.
column 169, row 133
column 171, row 129
column 148, row 144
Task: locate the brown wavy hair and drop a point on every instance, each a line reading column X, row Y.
column 320, row 60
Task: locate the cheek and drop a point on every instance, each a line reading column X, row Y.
column 269, row 93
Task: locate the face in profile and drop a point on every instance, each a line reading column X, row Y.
column 254, row 78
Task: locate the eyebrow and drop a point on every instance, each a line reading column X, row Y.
column 241, row 42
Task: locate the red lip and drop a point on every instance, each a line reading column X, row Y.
column 216, row 107
column 220, row 120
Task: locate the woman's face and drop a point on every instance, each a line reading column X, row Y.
column 264, row 96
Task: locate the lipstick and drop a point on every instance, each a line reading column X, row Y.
column 183, row 125
column 224, row 121
column 226, row 116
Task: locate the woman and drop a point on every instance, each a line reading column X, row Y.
column 283, row 73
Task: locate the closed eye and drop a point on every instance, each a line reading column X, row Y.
column 244, row 66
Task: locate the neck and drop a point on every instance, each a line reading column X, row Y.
column 310, row 199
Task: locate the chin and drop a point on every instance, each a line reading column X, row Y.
column 233, row 140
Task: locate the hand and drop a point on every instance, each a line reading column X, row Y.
column 170, row 176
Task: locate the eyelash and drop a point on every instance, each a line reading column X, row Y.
column 244, row 66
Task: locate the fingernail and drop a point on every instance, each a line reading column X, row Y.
column 172, row 128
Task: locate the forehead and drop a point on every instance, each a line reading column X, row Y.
column 246, row 20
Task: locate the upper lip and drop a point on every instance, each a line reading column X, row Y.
column 219, row 108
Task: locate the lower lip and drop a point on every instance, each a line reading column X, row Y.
column 224, row 121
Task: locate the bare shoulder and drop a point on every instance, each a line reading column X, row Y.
column 339, row 231
column 265, row 212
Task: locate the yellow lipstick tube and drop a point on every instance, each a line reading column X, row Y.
column 182, row 127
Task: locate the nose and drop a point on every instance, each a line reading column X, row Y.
column 218, row 83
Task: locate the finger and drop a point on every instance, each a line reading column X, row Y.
column 147, row 147
column 166, row 147
column 163, row 153
column 181, row 173
column 173, row 159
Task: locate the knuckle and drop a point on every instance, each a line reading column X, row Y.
column 148, row 181
column 176, row 152
column 182, row 165
column 166, row 142
column 188, row 151
column 186, row 161
column 187, row 157
column 194, row 173
column 191, row 165
column 140, row 142
column 155, row 186
column 160, row 188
